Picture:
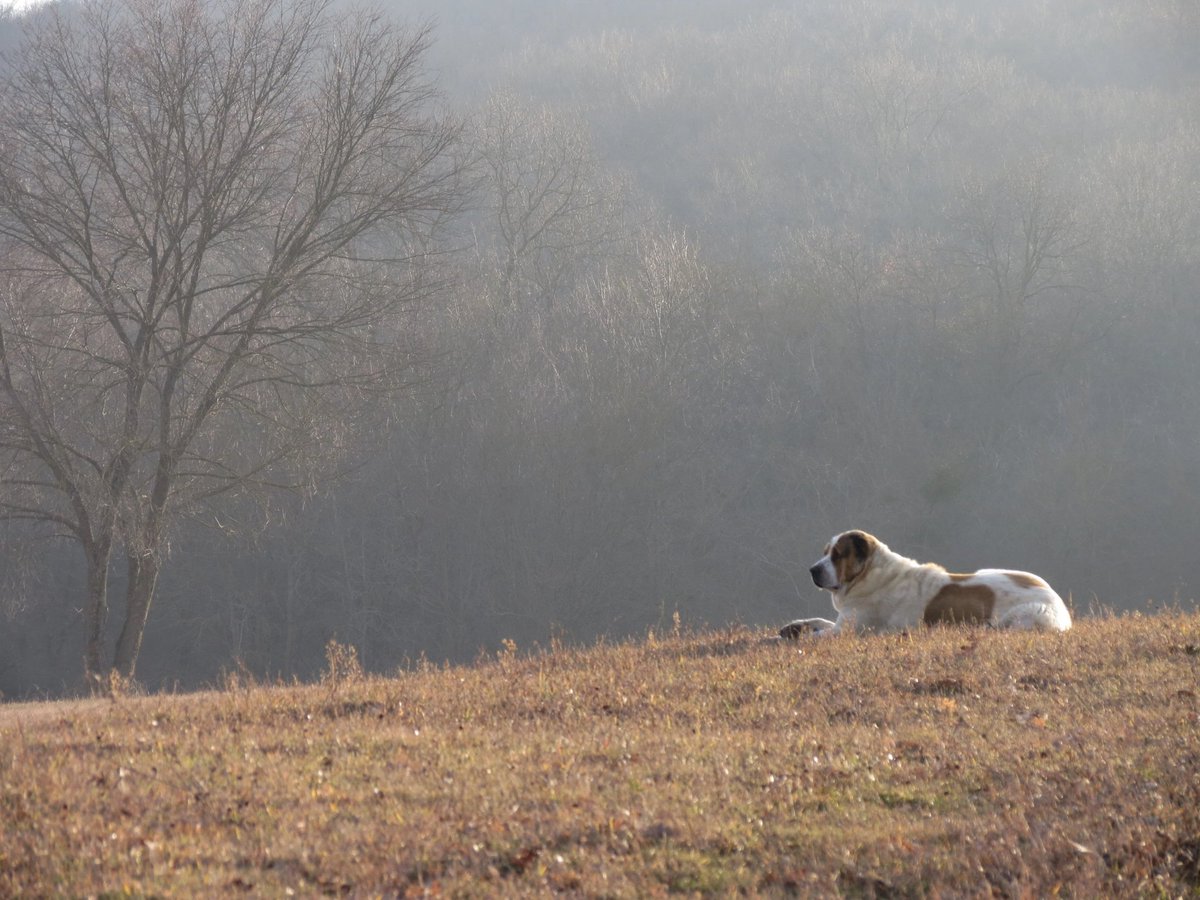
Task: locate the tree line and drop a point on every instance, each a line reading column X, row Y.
column 626, row 333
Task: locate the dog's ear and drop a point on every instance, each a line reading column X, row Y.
column 862, row 544
column 854, row 549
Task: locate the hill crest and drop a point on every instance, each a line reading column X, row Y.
column 943, row 761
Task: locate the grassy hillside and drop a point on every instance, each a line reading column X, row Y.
column 942, row 761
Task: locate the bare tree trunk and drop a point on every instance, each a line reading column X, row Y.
column 143, row 576
column 95, row 611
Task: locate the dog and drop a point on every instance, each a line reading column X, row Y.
column 876, row 589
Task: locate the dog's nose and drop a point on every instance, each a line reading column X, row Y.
column 815, row 572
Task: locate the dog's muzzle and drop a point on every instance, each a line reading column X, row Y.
column 821, row 576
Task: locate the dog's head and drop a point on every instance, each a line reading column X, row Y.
column 845, row 559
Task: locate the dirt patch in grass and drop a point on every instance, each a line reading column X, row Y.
column 948, row 761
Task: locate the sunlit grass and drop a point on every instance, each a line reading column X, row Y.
column 946, row 761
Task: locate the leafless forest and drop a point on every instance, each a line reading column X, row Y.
column 632, row 306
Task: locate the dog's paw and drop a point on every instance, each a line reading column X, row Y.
column 801, row 627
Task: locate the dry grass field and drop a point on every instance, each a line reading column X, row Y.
column 945, row 762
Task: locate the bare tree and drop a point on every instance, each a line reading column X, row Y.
column 212, row 215
column 1017, row 238
column 551, row 206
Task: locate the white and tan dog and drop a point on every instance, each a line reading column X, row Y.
column 875, row 589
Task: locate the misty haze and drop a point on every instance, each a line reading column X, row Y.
column 630, row 308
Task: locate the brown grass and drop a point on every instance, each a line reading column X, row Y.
column 946, row 762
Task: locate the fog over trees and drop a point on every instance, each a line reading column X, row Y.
column 675, row 292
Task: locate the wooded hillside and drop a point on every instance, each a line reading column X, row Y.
column 732, row 278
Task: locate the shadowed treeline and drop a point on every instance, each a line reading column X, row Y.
column 733, row 278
